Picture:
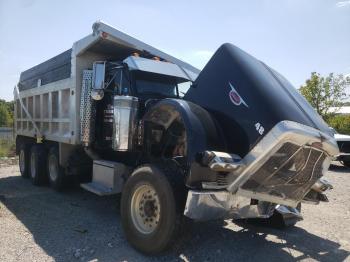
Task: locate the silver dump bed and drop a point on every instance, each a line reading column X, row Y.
column 48, row 95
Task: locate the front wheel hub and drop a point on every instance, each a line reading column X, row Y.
column 145, row 209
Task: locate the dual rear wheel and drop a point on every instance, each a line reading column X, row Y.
column 41, row 165
column 24, row 163
column 55, row 172
column 37, row 164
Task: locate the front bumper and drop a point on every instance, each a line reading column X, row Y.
column 210, row 205
column 283, row 169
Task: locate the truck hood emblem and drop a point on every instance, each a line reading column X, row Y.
column 235, row 98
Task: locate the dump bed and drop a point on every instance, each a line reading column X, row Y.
column 48, row 95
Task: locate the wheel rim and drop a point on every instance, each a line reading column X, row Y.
column 32, row 165
column 21, row 161
column 53, row 169
column 145, row 209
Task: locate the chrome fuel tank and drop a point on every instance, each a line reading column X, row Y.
column 125, row 110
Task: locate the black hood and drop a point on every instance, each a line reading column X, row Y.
column 247, row 98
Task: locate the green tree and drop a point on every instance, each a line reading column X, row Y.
column 325, row 92
column 6, row 113
column 341, row 123
column 5, row 117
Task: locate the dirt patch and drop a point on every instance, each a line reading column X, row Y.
column 8, row 161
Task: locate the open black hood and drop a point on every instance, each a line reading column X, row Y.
column 247, row 98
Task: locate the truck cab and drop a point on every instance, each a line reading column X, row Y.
column 140, row 77
column 135, row 84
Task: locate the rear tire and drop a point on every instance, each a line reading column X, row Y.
column 149, row 212
column 37, row 164
column 24, row 160
column 55, row 171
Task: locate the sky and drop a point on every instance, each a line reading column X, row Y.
column 295, row 37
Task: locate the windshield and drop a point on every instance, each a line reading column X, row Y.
column 165, row 89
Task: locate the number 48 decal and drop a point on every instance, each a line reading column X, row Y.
column 259, row 128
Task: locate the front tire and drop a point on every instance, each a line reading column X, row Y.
column 148, row 210
column 55, row 171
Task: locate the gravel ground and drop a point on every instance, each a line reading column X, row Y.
column 38, row 224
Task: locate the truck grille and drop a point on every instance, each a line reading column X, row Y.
column 289, row 173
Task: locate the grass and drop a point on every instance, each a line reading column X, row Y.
column 7, row 148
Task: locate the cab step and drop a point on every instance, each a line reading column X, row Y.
column 107, row 178
column 99, row 189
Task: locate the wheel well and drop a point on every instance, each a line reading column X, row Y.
column 23, row 140
column 181, row 131
column 166, row 141
column 31, row 141
column 180, row 128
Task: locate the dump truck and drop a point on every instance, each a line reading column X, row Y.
column 115, row 115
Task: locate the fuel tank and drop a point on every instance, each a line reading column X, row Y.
column 247, row 99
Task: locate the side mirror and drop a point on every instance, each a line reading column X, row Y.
column 98, row 75
column 98, row 80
